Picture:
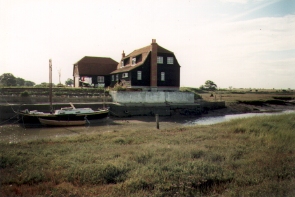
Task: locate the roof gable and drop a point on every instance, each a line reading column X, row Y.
column 144, row 51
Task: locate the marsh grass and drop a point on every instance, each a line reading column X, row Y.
column 243, row 157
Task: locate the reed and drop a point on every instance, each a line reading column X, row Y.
column 243, row 157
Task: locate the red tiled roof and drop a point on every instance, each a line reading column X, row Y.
column 96, row 65
column 144, row 51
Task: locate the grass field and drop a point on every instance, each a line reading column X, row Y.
column 243, row 157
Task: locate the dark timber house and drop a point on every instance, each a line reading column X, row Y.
column 93, row 71
column 151, row 68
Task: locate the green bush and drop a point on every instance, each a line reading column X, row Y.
column 24, row 94
column 119, row 87
column 193, row 90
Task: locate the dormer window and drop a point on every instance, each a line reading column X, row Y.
column 160, row 60
column 169, row 60
column 134, row 61
column 125, row 62
column 122, row 64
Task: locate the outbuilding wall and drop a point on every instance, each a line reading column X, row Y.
column 152, row 97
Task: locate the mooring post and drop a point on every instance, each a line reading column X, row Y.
column 157, row 121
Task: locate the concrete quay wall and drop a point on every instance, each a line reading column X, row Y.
column 119, row 109
column 152, row 97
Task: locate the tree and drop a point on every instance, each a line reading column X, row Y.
column 69, row 82
column 20, row 81
column 7, row 79
column 43, row 85
column 209, row 85
column 29, row 83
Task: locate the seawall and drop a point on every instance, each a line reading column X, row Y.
column 120, row 110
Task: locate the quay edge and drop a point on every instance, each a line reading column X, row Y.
column 119, row 109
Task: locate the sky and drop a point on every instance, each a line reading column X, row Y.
column 234, row 43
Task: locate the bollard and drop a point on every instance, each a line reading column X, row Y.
column 157, row 121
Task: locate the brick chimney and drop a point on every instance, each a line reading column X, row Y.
column 154, row 64
column 123, row 54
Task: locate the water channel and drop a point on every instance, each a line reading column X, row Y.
column 14, row 133
column 219, row 119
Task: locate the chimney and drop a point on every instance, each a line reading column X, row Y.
column 123, row 55
column 154, row 64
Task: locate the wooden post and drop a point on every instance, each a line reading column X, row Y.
column 50, row 85
column 157, row 121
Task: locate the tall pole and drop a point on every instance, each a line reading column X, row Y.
column 50, row 85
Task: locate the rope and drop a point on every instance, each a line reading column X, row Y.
column 13, row 116
column 8, row 119
column 113, row 113
column 86, row 119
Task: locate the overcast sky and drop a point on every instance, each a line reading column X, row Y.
column 239, row 43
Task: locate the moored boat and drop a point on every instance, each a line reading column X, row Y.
column 63, row 114
column 62, row 122
column 68, row 114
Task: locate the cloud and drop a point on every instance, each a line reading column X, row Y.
column 243, row 52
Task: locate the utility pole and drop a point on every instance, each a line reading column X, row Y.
column 50, row 85
column 59, row 75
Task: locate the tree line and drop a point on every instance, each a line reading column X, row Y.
column 9, row 80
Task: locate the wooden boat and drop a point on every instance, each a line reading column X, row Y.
column 63, row 114
column 67, row 114
column 62, row 122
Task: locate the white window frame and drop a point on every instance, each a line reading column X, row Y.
column 122, row 63
column 162, row 76
column 113, row 77
column 160, row 60
column 170, row 60
column 117, row 77
column 100, row 79
column 124, row 75
column 139, row 75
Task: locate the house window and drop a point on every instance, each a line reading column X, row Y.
column 139, row 75
column 122, row 64
column 169, row 60
column 125, row 62
column 134, row 61
column 162, row 76
column 160, row 60
column 117, row 77
column 100, row 79
column 113, row 77
column 124, row 75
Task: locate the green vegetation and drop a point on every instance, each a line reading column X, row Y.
column 8, row 80
column 243, row 157
column 69, row 82
column 25, row 94
column 119, row 87
column 209, row 86
column 196, row 91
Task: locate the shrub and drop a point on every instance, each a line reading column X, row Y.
column 60, row 85
column 119, row 87
column 24, row 94
column 193, row 90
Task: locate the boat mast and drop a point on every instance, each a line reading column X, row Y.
column 50, row 85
